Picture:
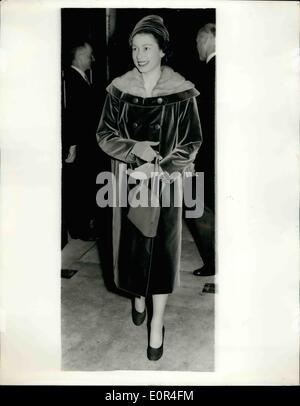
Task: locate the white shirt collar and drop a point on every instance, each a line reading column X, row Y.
column 210, row 56
column 80, row 72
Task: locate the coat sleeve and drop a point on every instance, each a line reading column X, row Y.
column 109, row 138
column 189, row 139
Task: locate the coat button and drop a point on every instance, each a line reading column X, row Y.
column 135, row 100
column 135, row 125
column 157, row 127
column 159, row 100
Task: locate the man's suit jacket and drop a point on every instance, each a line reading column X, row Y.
column 205, row 160
column 80, row 115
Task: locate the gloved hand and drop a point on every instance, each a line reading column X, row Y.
column 144, row 150
column 145, row 171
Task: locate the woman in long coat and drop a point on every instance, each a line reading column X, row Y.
column 149, row 112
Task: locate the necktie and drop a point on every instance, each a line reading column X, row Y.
column 87, row 80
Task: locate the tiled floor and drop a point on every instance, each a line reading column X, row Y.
column 97, row 331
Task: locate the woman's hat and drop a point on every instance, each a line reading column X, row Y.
column 152, row 24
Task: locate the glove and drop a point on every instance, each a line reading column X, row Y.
column 144, row 150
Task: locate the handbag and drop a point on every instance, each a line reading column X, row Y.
column 146, row 219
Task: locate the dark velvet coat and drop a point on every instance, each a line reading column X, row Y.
column 144, row 265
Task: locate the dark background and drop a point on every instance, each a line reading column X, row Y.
column 111, row 48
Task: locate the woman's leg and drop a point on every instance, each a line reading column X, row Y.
column 157, row 322
column 139, row 304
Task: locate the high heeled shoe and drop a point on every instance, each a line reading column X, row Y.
column 154, row 354
column 138, row 317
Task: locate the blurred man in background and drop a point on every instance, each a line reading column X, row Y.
column 79, row 145
column 203, row 228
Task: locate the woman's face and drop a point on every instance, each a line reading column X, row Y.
column 146, row 53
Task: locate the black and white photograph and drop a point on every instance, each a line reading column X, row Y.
column 149, row 206
column 137, row 279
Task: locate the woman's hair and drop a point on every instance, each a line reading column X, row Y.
column 154, row 25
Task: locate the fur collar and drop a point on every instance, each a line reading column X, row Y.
column 170, row 82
